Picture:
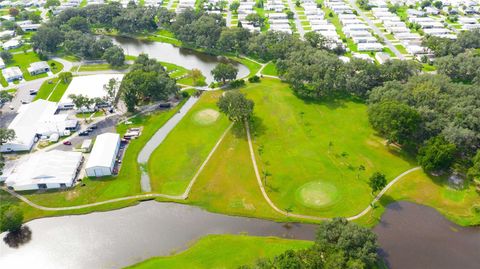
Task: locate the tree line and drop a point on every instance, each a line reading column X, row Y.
column 338, row 244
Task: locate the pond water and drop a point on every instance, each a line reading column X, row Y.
column 414, row 236
column 411, row 236
column 118, row 238
column 187, row 58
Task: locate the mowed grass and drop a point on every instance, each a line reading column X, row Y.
column 52, row 90
column 460, row 206
column 228, row 185
column 297, row 142
column 95, row 190
column 175, row 161
column 225, row 251
column 270, row 69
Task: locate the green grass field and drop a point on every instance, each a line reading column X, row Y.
column 224, row 251
column 300, row 142
column 23, row 60
column 174, row 163
column 270, row 69
column 101, row 67
column 58, row 88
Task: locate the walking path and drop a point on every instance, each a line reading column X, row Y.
column 274, row 207
column 184, row 196
column 158, row 138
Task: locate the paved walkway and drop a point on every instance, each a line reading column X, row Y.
column 184, row 196
column 158, row 138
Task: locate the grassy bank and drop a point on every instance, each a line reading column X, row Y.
column 174, row 163
column 225, row 251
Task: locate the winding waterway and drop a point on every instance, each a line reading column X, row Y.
column 187, row 58
column 410, row 235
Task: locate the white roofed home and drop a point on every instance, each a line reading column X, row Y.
column 44, row 170
column 103, row 156
column 12, row 73
column 38, row 68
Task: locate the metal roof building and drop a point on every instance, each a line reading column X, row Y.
column 103, row 156
column 44, row 170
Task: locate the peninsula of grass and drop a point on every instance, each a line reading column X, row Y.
column 225, row 251
column 175, row 161
column 461, row 206
column 100, row 189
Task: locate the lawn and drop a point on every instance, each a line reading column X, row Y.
column 299, row 143
column 225, row 251
column 270, row 69
column 401, row 49
column 52, row 90
column 227, row 184
column 251, row 65
column 23, row 60
column 125, row 184
column 173, row 164
column 101, row 67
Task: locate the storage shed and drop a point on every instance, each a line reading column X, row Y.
column 103, row 156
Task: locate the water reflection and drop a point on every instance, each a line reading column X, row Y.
column 180, row 56
column 18, row 238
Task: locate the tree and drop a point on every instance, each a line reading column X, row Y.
column 82, row 103
column 13, row 12
column 65, row 77
column 78, row 23
column 290, row 15
column 255, row 19
column 438, row 4
column 474, row 171
column 236, row 106
column 114, row 56
column 234, row 6
column 222, row 4
column 436, row 154
column 196, row 75
column 11, row 219
column 52, row 3
column 224, row 71
column 398, row 122
column 377, row 181
column 47, row 39
column 111, row 89
column 6, row 56
column 6, row 135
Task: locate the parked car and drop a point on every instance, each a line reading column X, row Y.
column 33, row 92
column 93, row 127
column 24, row 102
column 84, row 133
column 67, row 143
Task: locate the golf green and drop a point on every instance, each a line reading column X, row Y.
column 206, row 116
column 317, row 194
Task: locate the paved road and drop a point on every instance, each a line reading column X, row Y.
column 298, row 23
column 376, row 30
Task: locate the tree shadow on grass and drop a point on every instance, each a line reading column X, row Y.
column 18, row 238
column 257, row 128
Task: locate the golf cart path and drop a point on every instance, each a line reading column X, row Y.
column 283, row 212
column 184, row 196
